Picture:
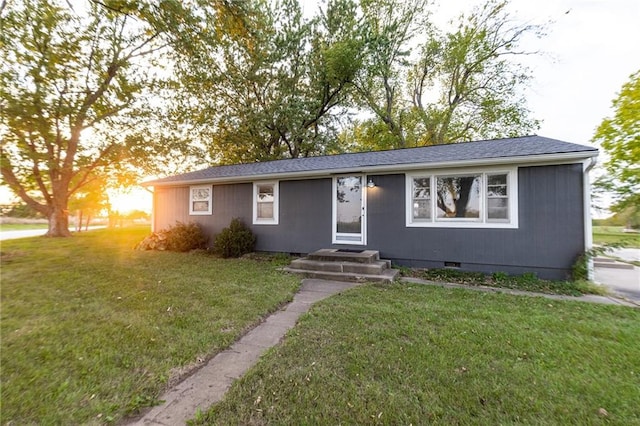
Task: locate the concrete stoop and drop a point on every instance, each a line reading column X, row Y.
column 337, row 265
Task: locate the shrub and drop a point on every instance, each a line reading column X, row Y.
column 235, row 240
column 180, row 237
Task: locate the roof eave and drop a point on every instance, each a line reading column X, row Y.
column 540, row 159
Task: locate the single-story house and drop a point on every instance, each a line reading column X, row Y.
column 511, row 205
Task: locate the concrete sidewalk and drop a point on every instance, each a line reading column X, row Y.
column 209, row 384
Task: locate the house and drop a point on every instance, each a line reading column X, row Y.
column 512, row 205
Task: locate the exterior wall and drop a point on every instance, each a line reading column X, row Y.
column 549, row 237
column 304, row 220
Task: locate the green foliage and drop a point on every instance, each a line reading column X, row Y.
column 620, row 137
column 93, row 332
column 472, row 69
column 64, row 70
column 526, row 282
column 580, row 267
column 235, row 240
column 180, row 237
column 615, row 235
column 410, row 354
column 271, row 92
column 185, row 236
column 21, row 210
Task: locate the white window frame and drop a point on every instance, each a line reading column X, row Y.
column 486, row 199
column 483, row 221
column 209, row 200
column 276, row 202
column 362, row 236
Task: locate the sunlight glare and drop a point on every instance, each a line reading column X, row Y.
column 127, row 200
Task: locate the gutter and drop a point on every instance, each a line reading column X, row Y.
column 587, row 165
column 532, row 160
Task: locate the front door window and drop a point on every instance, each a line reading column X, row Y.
column 348, row 210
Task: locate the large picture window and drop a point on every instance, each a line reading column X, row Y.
column 200, row 200
column 462, row 199
column 265, row 203
column 458, row 197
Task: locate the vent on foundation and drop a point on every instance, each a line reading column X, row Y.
column 451, row 264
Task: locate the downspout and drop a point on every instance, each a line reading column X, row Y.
column 153, row 208
column 587, row 165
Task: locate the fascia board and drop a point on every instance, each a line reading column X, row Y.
column 530, row 160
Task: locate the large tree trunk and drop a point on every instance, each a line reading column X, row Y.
column 465, row 189
column 58, row 222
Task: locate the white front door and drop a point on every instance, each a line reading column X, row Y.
column 349, row 200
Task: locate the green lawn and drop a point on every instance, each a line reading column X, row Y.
column 93, row 330
column 614, row 235
column 22, row 226
column 410, row 354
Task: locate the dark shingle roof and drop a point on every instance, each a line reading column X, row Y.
column 495, row 149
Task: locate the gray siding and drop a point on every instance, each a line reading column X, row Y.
column 549, row 237
column 304, row 219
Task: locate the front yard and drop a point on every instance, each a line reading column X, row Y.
column 410, row 354
column 93, row 330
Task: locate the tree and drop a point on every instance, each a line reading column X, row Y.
column 274, row 90
column 479, row 86
column 71, row 78
column 619, row 136
column 463, row 85
column 390, row 26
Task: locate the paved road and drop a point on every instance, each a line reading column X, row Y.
column 625, row 282
column 631, row 254
column 24, row 233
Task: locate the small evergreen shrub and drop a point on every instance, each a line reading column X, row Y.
column 180, row 237
column 235, row 241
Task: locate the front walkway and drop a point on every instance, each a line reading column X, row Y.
column 209, row 384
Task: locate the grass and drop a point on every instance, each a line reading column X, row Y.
column 614, row 235
column 92, row 330
column 407, row 354
column 525, row 282
column 22, row 226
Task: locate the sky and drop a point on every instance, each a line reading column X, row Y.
column 590, row 50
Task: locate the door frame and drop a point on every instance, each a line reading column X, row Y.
column 349, row 238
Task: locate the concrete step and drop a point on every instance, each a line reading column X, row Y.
column 606, row 262
column 336, row 255
column 374, row 268
column 388, row 275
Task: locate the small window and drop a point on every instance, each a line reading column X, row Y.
column 265, row 203
column 200, row 200
column 497, row 198
column 421, row 198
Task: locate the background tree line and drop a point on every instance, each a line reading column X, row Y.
column 98, row 93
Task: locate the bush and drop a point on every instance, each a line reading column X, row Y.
column 235, row 240
column 180, row 237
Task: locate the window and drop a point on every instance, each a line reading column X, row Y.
column 477, row 199
column 421, row 198
column 265, row 203
column 497, row 198
column 200, row 200
column 458, row 197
